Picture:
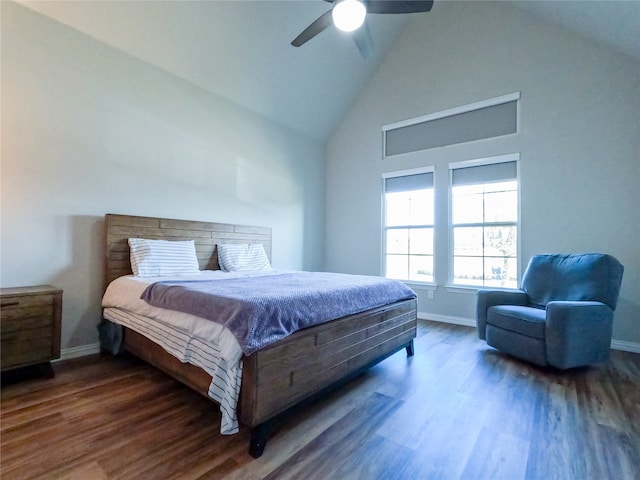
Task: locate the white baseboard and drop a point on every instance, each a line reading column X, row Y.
column 470, row 322
column 464, row 321
column 76, row 352
column 625, row 346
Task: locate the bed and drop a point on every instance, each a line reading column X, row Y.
column 302, row 366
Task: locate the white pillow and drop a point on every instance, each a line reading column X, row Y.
column 154, row 258
column 239, row 257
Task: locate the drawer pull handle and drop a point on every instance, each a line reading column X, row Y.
column 10, row 304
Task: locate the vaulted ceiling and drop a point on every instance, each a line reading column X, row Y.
column 241, row 50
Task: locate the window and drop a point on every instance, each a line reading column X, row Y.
column 408, row 225
column 484, row 222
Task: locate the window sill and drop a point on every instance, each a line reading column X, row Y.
column 473, row 289
column 421, row 286
column 469, row 290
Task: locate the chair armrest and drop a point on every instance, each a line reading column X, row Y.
column 577, row 333
column 490, row 298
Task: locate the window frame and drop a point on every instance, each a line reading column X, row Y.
column 511, row 157
column 383, row 231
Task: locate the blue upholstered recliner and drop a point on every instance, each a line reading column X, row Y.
column 562, row 315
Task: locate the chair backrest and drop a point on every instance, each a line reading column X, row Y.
column 583, row 277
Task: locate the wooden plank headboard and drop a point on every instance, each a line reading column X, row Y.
column 119, row 228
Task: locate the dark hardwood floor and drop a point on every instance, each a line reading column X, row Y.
column 457, row 409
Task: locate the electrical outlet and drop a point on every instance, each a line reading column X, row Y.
column 430, row 294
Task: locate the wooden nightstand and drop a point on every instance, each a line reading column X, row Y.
column 30, row 327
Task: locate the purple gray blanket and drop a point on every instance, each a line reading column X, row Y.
column 262, row 310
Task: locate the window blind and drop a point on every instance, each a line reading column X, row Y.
column 493, row 172
column 481, row 120
column 408, row 183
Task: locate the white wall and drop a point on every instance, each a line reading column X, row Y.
column 88, row 130
column 579, row 142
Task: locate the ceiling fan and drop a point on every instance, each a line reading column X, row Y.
column 349, row 16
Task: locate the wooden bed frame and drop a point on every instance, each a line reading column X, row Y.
column 295, row 369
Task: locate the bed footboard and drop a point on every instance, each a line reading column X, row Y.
column 260, row 433
column 312, row 360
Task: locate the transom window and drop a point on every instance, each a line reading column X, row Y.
column 408, row 225
column 484, row 222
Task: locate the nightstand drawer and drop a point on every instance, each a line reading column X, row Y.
column 30, row 320
column 16, row 302
column 26, row 346
column 43, row 320
column 25, row 308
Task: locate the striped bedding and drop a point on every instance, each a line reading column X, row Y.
column 225, row 379
column 191, row 339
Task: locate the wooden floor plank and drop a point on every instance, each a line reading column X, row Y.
column 328, row 451
column 458, row 409
column 509, row 461
column 364, row 462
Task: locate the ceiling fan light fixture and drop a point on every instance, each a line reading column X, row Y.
column 348, row 15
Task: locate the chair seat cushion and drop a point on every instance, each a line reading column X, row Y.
column 528, row 321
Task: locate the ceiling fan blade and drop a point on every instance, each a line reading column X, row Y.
column 398, row 6
column 314, row 29
column 364, row 41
